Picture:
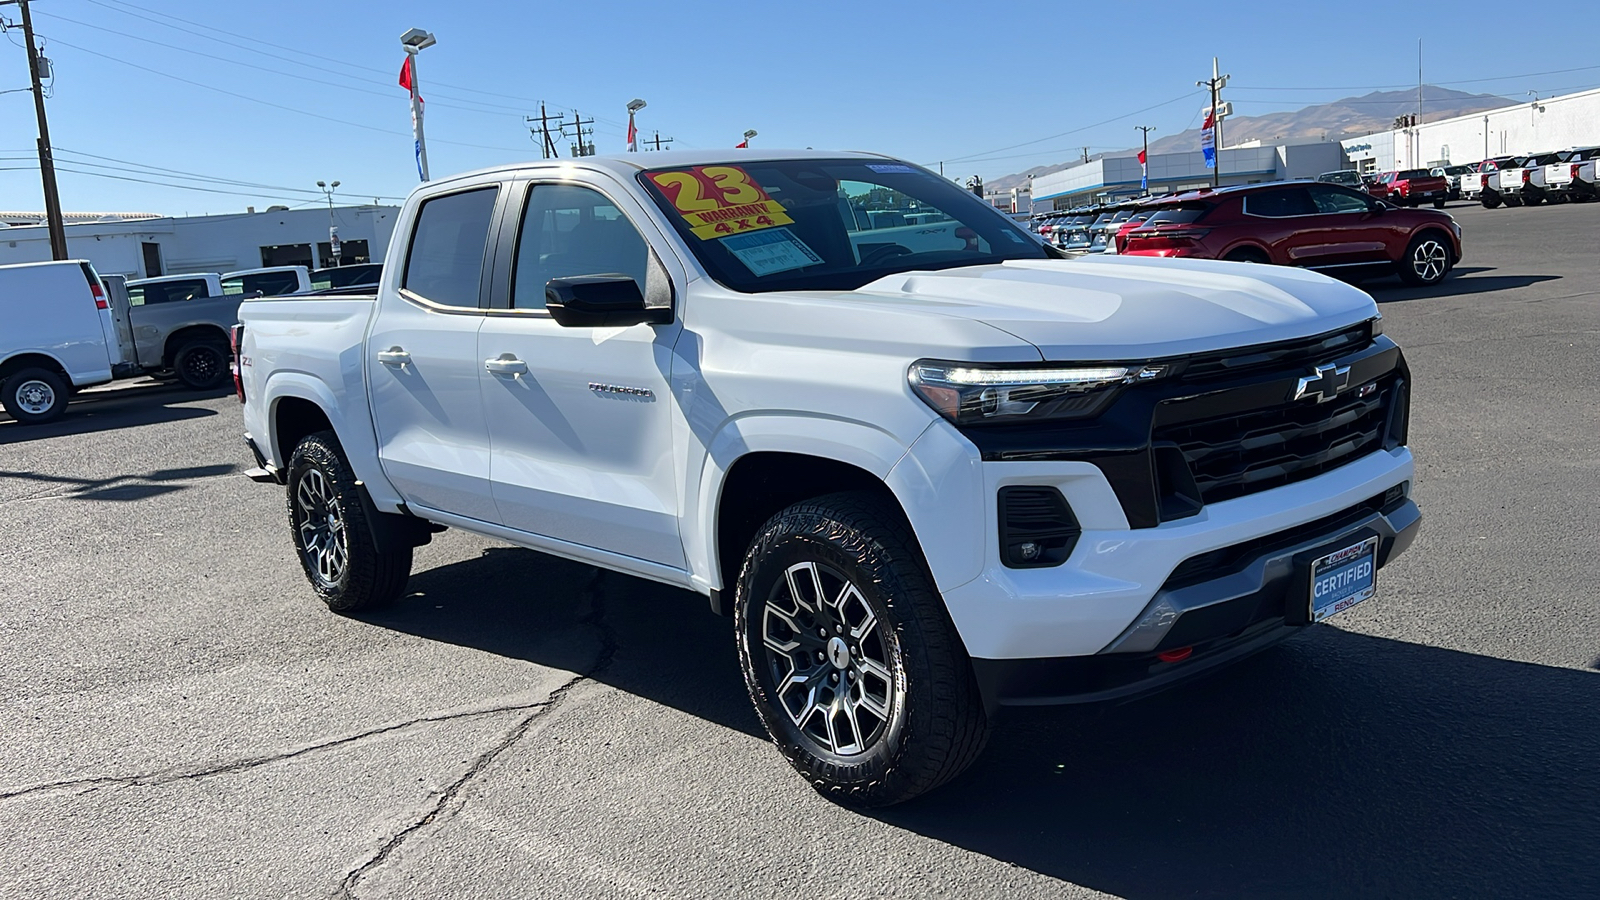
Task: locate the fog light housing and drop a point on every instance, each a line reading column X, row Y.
column 1037, row 527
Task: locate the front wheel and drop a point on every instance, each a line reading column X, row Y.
column 1426, row 262
column 349, row 566
column 34, row 396
column 853, row 665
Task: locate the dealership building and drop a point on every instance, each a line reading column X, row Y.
column 1555, row 123
column 143, row 245
column 1116, row 177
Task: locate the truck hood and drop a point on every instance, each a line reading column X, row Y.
column 1135, row 307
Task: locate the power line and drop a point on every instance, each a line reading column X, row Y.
column 982, row 156
column 291, row 109
column 257, row 42
column 143, row 169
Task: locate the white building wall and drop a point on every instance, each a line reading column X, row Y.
column 1570, row 120
column 202, row 243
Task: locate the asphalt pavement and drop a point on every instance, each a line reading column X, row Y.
column 180, row 717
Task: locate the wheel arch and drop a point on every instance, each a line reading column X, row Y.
column 757, row 466
column 30, row 360
column 298, row 404
column 1248, row 244
column 177, row 339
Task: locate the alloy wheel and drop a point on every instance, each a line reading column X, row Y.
column 324, row 539
column 1429, row 261
column 202, row 366
column 830, row 665
column 35, row 397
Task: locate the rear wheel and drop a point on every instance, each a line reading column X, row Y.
column 1439, row 203
column 349, row 566
column 34, row 396
column 1247, row 254
column 1532, row 198
column 1427, row 260
column 853, row 665
column 1490, row 202
column 201, row 365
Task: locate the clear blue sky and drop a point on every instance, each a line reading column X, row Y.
column 991, row 87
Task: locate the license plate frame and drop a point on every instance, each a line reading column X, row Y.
column 1348, row 576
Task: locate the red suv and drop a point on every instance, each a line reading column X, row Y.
column 1326, row 227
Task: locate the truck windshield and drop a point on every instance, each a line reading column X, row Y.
column 830, row 225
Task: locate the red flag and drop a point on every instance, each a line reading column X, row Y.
column 1141, row 153
column 405, row 74
column 633, row 135
column 742, row 145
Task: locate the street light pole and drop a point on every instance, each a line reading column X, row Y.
column 415, row 41
column 750, row 133
column 47, row 161
column 333, row 228
column 1144, row 158
column 634, row 106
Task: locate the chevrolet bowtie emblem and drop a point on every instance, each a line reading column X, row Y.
column 1324, row 383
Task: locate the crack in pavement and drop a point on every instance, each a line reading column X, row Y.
column 608, row 649
column 241, row 765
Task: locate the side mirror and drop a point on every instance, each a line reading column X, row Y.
column 1376, row 207
column 601, row 301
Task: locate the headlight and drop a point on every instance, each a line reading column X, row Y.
column 966, row 393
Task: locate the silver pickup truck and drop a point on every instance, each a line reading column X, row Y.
column 173, row 326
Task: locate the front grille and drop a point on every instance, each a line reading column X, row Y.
column 1238, row 454
column 1313, row 350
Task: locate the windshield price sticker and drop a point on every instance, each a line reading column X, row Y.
column 772, row 251
column 718, row 201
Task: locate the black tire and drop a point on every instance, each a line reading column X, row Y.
column 1427, row 260
column 1532, row 198
column 348, row 566
column 925, row 722
column 201, row 364
column 34, row 396
column 1249, row 255
column 1439, row 203
column 1490, row 202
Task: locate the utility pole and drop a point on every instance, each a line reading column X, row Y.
column 582, row 147
column 546, row 138
column 658, row 140
column 47, row 161
column 1215, row 84
column 1144, row 158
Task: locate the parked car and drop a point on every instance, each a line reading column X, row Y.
column 177, row 324
column 1141, row 213
column 354, row 275
column 1487, row 184
column 1411, row 187
column 1452, row 175
column 882, row 452
column 1523, row 183
column 1314, row 225
column 268, row 282
column 1347, row 177
column 1075, row 233
column 56, row 335
column 1573, row 178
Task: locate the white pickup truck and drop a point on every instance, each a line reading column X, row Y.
column 1521, row 181
column 1573, row 178
column 928, row 469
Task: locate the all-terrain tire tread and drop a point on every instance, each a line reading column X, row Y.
column 375, row 575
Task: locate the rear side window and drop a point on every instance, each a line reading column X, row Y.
column 445, row 262
column 1280, row 203
column 267, row 284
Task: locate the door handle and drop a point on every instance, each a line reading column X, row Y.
column 395, row 357
column 506, row 364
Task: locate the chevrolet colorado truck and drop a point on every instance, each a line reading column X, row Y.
column 928, row 469
column 1411, row 187
column 1523, row 183
column 1573, row 178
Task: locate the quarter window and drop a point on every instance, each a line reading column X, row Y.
column 568, row 231
column 445, row 262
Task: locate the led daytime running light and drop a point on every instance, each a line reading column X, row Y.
column 1007, row 377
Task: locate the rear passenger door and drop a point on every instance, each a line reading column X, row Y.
column 422, row 359
column 581, row 417
column 1278, row 218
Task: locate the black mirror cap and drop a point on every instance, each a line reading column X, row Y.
column 601, row 301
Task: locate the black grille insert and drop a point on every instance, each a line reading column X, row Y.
column 1238, row 454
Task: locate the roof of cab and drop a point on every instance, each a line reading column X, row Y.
column 625, row 164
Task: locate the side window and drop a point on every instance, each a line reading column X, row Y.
column 445, row 261
column 569, row 231
column 271, row 284
column 1280, row 204
column 1333, row 200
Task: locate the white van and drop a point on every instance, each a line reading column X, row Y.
column 56, row 335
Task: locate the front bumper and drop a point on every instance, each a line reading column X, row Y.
column 1214, row 608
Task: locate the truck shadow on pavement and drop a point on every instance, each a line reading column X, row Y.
column 123, row 407
column 1335, row 765
column 121, row 488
